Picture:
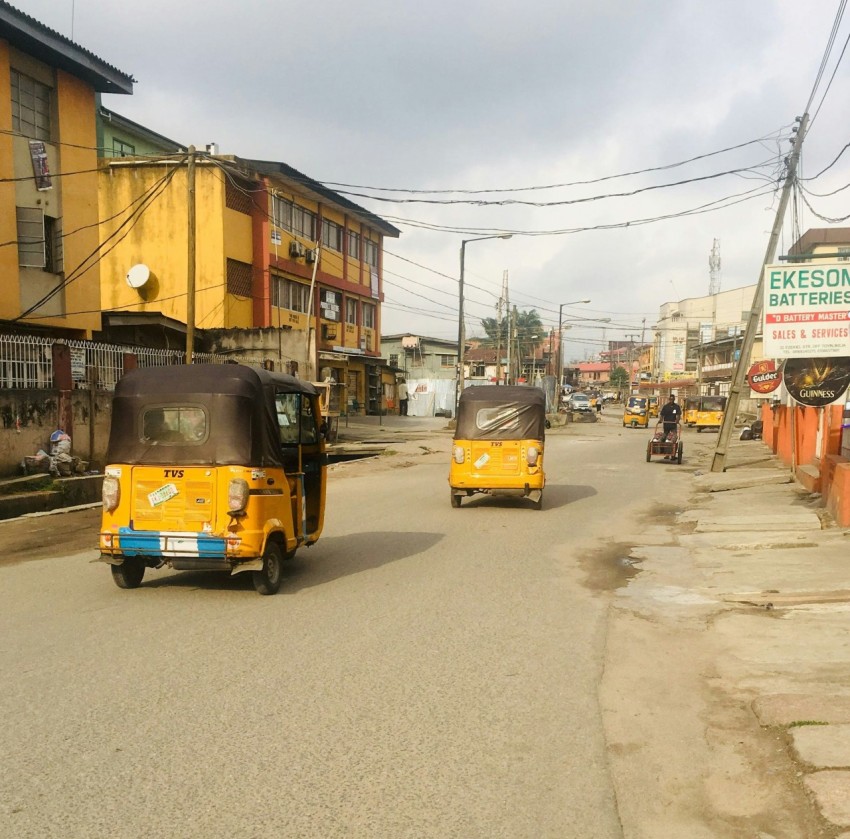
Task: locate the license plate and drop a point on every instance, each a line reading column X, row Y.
column 161, row 495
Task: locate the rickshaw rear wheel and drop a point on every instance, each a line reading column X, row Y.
column 456, row 499
column 129, row 573
column 649, row 451
column 537, row 505
column 269, row 579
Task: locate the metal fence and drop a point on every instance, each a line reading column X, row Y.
column 26, row 361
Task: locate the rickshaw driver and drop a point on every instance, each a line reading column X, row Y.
column 671, row 416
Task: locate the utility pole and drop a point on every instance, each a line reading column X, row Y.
column 190, row 277
column 718, row 463
column 631, row 338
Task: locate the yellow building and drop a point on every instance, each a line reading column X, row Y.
column 284, row 267
column 48, row 185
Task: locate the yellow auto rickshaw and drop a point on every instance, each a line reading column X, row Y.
column 212, row 467
column 689, row 411
column 710, row 413
column 653, row 406
column 636, row 412
column 498, row 443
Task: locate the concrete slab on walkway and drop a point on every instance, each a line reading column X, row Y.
column 831, row 789
column 748, row 541
column 724, row 481
column 787, row 708
column 758, row 520
column 823, row 746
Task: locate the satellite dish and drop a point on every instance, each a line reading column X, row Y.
column 138, row 275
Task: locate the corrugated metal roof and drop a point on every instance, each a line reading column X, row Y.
column 272, row 168
column 30, row 36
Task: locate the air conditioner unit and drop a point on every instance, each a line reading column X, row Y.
column 296, row 249
column 362, row 343
column 310, row 256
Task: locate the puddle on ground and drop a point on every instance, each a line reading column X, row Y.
column 610, row 567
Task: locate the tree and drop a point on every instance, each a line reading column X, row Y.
column 526, row 324
column 619, row 378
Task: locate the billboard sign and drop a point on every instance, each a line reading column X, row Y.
column 807, row 310
column 764, row 377
column 816, row 381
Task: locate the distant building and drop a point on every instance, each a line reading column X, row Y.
column 421, row 357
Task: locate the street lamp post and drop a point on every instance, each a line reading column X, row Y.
column 560, row 371
column 461, row 335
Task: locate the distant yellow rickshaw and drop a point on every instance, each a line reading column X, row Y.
column 653, row 406
column 710, row 413
column 636, row 412
column 689, row 413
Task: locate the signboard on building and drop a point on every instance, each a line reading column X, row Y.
column 807, row 310
column 763, row 377
column 816, row 381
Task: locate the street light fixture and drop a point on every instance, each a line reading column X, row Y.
column 461, row 335
column 560, row 371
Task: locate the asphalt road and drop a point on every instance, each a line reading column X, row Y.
column 424, row 672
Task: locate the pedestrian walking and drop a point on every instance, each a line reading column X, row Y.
column 402, row 398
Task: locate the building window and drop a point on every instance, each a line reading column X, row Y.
column 447, row 360
column 287, row 294
column 368, row 316
column 370, row 253
column 393, row 359
column 122, row 149
column 330, row 303
column 297, row 219
column 30, row 107
column 331, row 235
column 39, row 240
column 239, row 278
column 351, row 311
column 353, row 244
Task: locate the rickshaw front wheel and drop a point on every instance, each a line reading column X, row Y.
column 129, row 573
column 269, row 579
column 456, row 499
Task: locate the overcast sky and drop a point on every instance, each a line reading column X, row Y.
column 470, row 95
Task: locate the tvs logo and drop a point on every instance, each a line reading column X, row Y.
column 764, row 377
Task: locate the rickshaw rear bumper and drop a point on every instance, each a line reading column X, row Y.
column 183, row 551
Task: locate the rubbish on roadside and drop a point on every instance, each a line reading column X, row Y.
column 60, row 462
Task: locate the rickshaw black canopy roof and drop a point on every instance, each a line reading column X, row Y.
column 239, row 403
column 515, row 412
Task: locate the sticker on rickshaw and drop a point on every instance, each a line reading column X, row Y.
column 482, row 461
column 113, row 471
column 257, row 474
column 163, row 494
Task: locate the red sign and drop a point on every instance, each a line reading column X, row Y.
column 764, row 377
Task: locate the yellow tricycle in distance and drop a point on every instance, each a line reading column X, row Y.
column 710, row 413
column 689, row 411
column 636, row 412
column 653, row 406
column 498, row 443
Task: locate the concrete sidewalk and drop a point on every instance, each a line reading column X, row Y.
column 754, row 572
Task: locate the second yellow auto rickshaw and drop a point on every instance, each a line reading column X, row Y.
column 710, row 413
column 636, row 412
column 214, row 468
column 498, row 443
column 653, row 406
column 689, row 411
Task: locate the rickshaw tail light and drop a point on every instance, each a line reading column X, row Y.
column 532, row 455
column 237, row 495
column 458, row 454
column 111, row 493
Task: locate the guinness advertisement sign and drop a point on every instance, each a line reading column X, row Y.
column 764, row 377
column 816, row 381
